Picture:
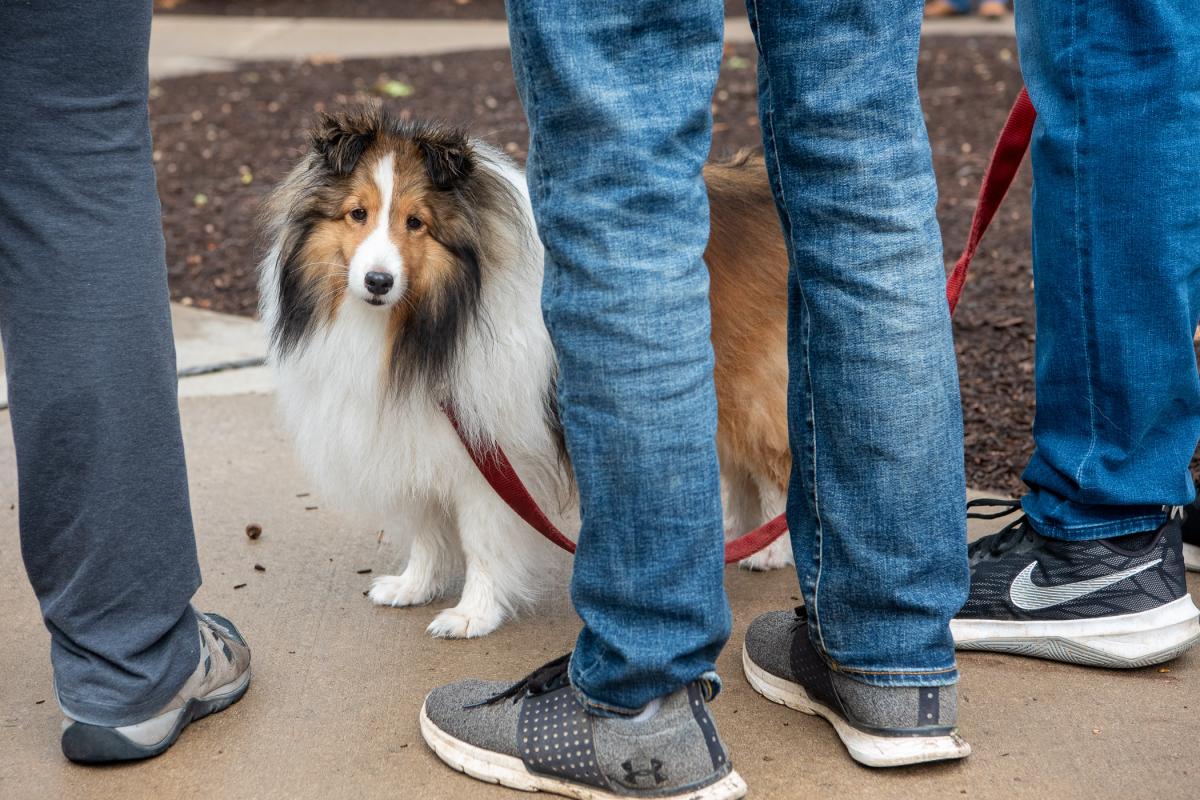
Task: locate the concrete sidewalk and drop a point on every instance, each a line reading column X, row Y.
column 182, row 45
column 338, row 682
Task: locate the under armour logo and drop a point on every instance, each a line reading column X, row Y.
column 634, row 777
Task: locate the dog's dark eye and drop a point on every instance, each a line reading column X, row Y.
column 414, row 223
column 358, row 214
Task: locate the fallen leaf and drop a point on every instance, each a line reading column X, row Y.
column 394, row 88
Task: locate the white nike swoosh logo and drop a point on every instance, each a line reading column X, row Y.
column 1028, row 597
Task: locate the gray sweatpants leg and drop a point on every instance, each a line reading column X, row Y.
column 106, row 529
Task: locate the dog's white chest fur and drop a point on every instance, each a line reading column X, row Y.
column 370, row 453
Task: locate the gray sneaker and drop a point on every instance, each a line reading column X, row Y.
column 880, row 726
column 220, row 680
column 536, row 735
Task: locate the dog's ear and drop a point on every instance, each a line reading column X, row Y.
column 342, row 138
column 448, row 158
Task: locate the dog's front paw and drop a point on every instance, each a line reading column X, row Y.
column 776, row 555
column 400, row 590
column 460, row 623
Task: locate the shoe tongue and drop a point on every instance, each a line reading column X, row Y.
column 546, row 678
column 550, row 677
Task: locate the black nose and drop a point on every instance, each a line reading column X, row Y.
column 379, row 282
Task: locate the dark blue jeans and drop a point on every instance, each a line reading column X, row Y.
column 1116, row 246
column 618, row 99
column 106, row 530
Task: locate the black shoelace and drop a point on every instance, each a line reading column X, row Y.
column 545, row 678
column 1008, row 537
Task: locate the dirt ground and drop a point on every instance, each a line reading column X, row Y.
column 223, row 139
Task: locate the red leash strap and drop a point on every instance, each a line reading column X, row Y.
column 1006, row 160
column 498, row 471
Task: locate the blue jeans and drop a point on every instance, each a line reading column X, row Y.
column 618, row 99
column 1116, row 246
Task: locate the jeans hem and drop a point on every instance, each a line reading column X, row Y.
column 903, row 677
column 1099, row 530
column 710, row 686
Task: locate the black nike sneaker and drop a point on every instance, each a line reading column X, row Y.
column 1191, row 535
column 1119, row 602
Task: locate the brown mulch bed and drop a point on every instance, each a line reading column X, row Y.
column 396, row 9
column 222, row 140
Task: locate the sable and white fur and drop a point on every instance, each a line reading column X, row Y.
column 362, row 375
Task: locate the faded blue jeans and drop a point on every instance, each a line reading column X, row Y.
column 618, row 99
column 1116, row 256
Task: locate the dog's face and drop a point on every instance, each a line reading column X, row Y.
column 391, row 226
column 390, row 215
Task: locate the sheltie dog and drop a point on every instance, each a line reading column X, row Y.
column 404, row 271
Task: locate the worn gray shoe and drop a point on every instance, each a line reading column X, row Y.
column 536, row 735
column 880, row 726
column 220, row 680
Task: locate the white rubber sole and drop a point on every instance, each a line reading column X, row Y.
column 493, row 767
column 1191, row 557
column 865, row 748
column 1125, row 641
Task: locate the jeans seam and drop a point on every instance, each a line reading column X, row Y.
column 769, row 131
column 1085, row 337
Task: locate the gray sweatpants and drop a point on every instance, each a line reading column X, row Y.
column 106, row 530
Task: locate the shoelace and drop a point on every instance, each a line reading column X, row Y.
column 800, row 618
column 545, row 678
column 216, row 636
column 1007, row 537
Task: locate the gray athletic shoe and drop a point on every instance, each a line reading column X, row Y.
column 219, row 681
column 536, row 735
column 880, row 726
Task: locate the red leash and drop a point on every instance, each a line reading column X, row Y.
column 1010, row 149
column 1006, row 160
